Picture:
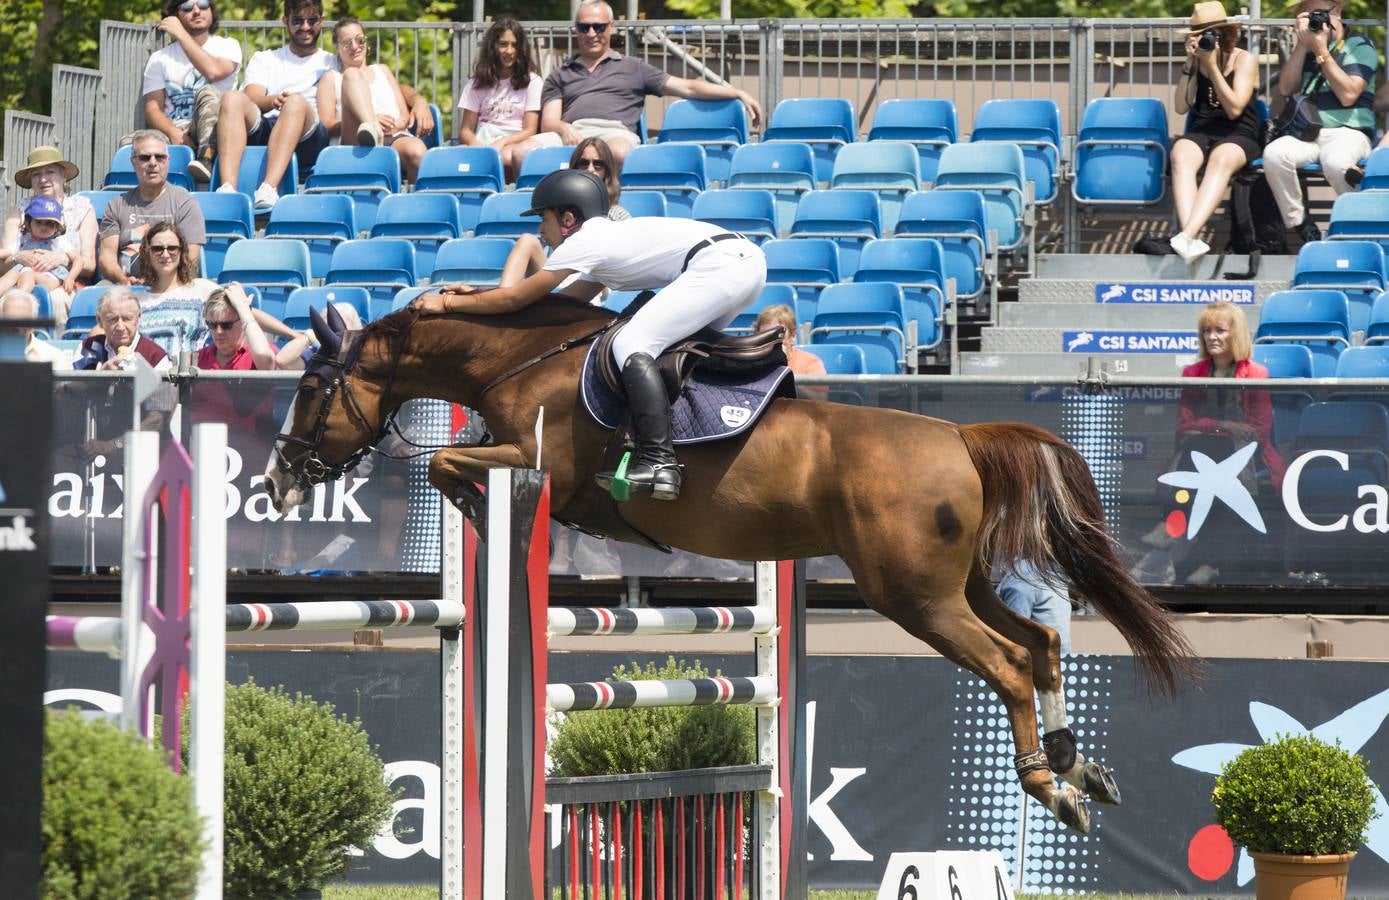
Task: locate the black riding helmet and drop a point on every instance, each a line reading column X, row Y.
column 573, row 189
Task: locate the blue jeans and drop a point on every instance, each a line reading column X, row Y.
column 1024, row 591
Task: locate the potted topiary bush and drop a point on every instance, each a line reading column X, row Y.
column 1300, row 807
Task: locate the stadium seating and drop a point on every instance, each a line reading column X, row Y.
column 888, row 168
column 120, row 176
column 45, row 302
column 227, row 217
column 425, row 220
column 957, row 219
column 825, row 123
column 1377, row 328
column 1364, row 362
column 997, row 172
column 501, row 216
column 1376, row 171
column 1035, row 126
column 251, row 173
column 277, row 267
column 436, row 136
column 772, row 295
column 404, row 296
column 870, row 315
column 1121, row 152
column 320, row 220
column 719, row 126
column 82, row 311
column 849, row 218
column 381, row 265
column 644, row 203
column 916, row 265
column 476, row 261
column 468, row 174
column 927, row 124
column 808, row 265
column 1285, row 360
column 367, row 174
column 751, row 213
column 99, row 199
column 1355, row 267
column 841, row 359
column 302, row 299
column 1360, row 216
column 541, row 162
column 617, row 301
column 1319, row 320
column 785, row 168
column 676, row 170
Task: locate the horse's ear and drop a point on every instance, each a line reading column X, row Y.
column 335, row 321
column 328, row 340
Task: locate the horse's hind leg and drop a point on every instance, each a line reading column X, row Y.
column 1044, row 648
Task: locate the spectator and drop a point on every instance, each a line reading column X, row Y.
column 1337, row 73
column 364, row 101
column 1042, row 598
column 799, row 361
column 129, row 216
column 1217, row 88
column 299, row 349
column 184, row 82
column 21, row 305
column 118, row 314
column 598, row 92
column 500, row 106
column 276, row 106
column 527, row 256
column 42, row 229
column 46, row 174
column 237, row 340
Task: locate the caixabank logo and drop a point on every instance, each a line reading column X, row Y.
column 15, row 531
column 1209, row 481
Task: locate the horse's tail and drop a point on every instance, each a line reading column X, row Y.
column 1041, row 505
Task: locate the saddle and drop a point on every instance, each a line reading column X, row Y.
column 748, row 355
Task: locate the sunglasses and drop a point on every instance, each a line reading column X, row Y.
column 301, row 21
column 591, row 164
column 595, row 27
column 227, row 325
column 354, row 42
column 151, row 157
column 191, row 5
column 165, row 248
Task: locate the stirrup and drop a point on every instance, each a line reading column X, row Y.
column 622, row 487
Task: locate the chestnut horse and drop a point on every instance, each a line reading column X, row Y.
column 916, row 507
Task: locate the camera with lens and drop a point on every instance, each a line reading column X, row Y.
column 1208, row 40
column 1318, row 19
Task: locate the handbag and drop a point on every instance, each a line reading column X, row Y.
column 1299, row 118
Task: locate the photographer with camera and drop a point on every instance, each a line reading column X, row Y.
column 1329, row 80
column 1217, row 89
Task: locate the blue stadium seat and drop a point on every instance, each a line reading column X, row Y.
column 541, row 162
column 1354, row 267
column 871, row 315
column 1035, row 126
column 320, row 220
column 44, row 300
column 997, row 171
column 841, row 358
column 825, row 123
column 644, row 203
column 1121, row 152
column 772, row 295
column 849, row 218
column 381, row 265
column 927, row 124
column 785, row 168
column 1363, row 362
column 808, row 265
column 99, row 199
column 1285, row 360
column 277, row 267
column 302, row 299
column 227, row 218
column 617, row 301
column 476, row 261
column 120, row 176
column 1360, row 216
column 425, row 220
column 719, row 126
column 917, row 266
column 404, row 296
column 1377, row 329
column 959, row 220
column 468, row 174
column 367, row 174
column 435, row 138
column 82, row 311
column 676, row 170
column 252, row 172
column 751, row 213
column 1319, row 320
column 501, row 216
column 1376, row 171
column 888, row 168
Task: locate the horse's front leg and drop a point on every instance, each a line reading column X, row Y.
column 456, row 472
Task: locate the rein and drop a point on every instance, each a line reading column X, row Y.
column 536, row 360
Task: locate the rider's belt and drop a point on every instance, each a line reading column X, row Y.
column 694, row 251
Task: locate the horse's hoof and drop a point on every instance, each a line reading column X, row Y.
column 470, row 502
column 1071, row 810
column 1100, row 784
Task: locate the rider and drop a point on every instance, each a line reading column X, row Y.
column 703, row 275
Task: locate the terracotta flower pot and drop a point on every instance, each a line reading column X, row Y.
column 1283, row 876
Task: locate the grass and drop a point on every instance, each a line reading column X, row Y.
column 429, row 892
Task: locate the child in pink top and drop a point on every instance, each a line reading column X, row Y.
column 501, row 104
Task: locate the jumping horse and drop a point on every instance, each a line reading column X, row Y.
column 916, row 507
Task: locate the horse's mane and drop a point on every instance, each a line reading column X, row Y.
column 550, row 310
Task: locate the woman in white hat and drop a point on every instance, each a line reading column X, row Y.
column 47, row 174
column 1217, row 89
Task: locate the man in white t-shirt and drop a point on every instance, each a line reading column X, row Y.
column 277, row 105
column 702, row 273
column 185, row 81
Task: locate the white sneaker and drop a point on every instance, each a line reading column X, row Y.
column 1189, row 249
column 265, row 198
column 227, row 189
column 369, row 135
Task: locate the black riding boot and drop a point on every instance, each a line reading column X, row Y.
column 653, row 469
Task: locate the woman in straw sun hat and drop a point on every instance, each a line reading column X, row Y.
column 1217, row 90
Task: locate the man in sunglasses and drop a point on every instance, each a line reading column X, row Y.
column 185, row 81
column 277, row 106
column 127, row 217
column 598, row 92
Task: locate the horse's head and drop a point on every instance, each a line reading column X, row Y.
column 333, row 422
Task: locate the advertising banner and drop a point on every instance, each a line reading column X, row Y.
column 1199, row 293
